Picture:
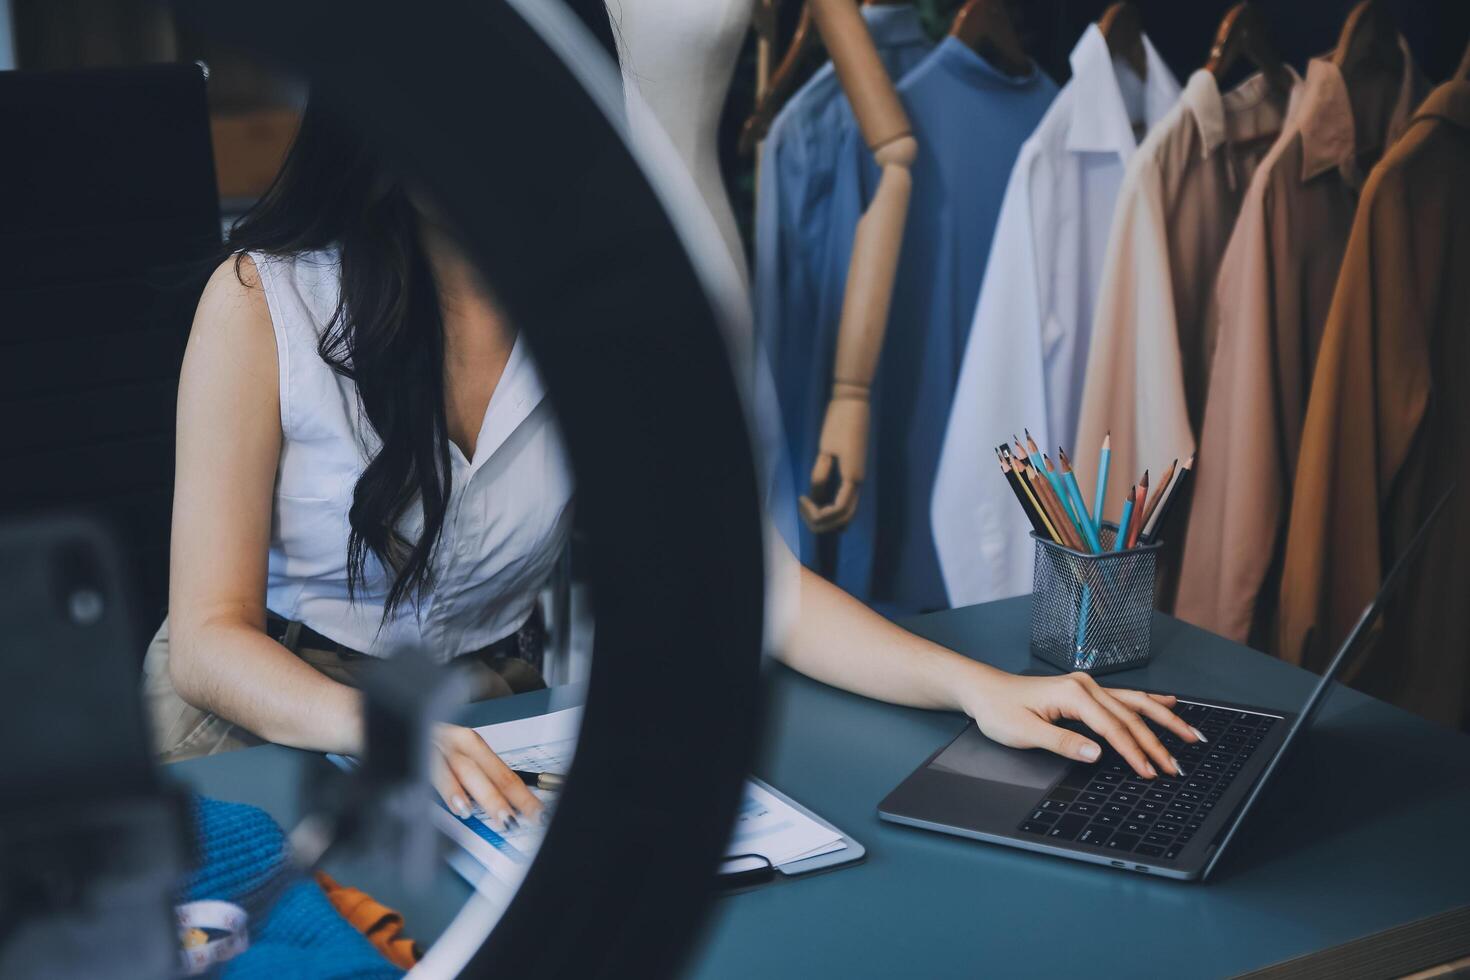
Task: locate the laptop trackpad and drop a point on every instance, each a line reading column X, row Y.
column 976, row 756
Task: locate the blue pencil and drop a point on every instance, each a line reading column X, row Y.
column 1123, row 521
column 1102, row 482
column 1061, row 490
column 1085, row 522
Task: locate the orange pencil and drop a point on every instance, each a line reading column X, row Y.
column 1135, row 526
column 1158, row 494
column 1055, row 511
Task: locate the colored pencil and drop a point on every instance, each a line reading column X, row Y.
column 1044, row 492
column 1084, row 519
column 1158, row 494
column 1018, row 472
column 1031, row 443
column 1062, row 495
column 1135, row 525
column 1039, row 490
column 1182, row 484
column 1121, row 539
column 1099, row 495
column 1152, row 521
column 1014, row 481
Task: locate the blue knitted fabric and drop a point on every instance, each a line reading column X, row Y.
column 298, row 933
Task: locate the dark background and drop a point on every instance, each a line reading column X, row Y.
column 1181, row 30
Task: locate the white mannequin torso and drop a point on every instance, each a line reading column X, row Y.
column 678, row 57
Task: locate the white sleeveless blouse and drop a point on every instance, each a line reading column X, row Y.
column 509, row 508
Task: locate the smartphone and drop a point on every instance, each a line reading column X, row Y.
column 72, row 725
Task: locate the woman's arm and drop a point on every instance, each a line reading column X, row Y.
column 229, row 443
column 220, row 658
column 839, row 641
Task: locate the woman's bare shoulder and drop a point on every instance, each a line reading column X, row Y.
column 232, row 325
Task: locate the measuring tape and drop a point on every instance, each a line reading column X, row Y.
column 210, row 932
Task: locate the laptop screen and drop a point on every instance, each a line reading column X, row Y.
column 1357, row 639
column 1351, row 649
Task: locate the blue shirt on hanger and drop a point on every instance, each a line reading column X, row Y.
column 970, row 120
column 793, row 198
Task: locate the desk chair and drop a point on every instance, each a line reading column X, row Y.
column 109, row 225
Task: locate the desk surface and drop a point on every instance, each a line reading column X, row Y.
column 1366, row 831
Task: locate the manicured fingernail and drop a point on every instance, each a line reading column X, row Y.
column 1199, row 735
column 507, row 820
column 460, row 807
column 1091, row 752
column 1178, row 769
column 1149, row 771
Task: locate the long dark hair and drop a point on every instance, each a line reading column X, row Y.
column 387, row 335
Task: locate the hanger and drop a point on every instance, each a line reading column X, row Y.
column 1243, row 32
column 782, row 83
column 1369, row 39
column 1123, row 30
column 985, row 27
column 783, row 80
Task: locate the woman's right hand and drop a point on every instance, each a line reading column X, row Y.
column 468, row 774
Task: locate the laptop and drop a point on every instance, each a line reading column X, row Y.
column 1102, row 812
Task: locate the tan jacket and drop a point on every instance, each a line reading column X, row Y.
column 1150, row 338
column 1272, row 294
column 1388, row 428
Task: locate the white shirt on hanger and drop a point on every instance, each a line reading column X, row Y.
column 1027, row 351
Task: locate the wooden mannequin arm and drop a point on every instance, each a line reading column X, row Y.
column 875, row 251
column 864, row 81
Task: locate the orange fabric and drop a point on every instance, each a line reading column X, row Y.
column 1388, row 428
column 382, row 926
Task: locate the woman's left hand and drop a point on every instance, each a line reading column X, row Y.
column 1021, row 712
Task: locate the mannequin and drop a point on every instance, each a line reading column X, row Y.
column 678, row 58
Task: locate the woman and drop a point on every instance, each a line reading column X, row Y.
column 366, row 463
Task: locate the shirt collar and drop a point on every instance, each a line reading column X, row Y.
column 1204, row 100
column 1100, row 121
column 1450, row 102
column 960, row 60
column 516, row 395
column 1329, row 136
column 893, row 25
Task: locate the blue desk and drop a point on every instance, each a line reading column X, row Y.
column 1369, row 832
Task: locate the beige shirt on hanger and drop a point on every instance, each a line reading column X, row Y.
column 1273, row 293
column 1151, row 338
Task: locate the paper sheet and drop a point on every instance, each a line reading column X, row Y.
column 764, row 824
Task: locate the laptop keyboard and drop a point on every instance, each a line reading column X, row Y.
column 1107, row 805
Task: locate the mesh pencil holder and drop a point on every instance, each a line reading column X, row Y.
column 1093, row 612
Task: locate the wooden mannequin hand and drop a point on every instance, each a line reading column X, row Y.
column 844, row 440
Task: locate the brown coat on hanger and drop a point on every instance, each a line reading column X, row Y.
column 1368, row 42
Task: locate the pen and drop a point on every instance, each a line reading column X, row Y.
column 541, row 780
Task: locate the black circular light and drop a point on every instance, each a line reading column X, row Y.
column 476, row 105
